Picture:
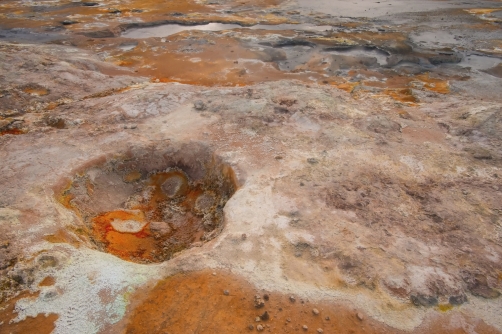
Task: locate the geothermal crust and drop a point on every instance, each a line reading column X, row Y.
column 357, row 169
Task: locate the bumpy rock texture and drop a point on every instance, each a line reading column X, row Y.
column 158, row 173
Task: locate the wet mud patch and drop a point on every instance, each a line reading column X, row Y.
column 148, row 204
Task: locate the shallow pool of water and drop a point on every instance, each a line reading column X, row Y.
column 361, row 52
column 171, row 29
column 479, row 62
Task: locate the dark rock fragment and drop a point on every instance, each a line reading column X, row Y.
column 68, row 22
column 423, row 300
column 199, row 105
column 457, row 300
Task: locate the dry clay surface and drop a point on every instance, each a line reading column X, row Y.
column 384, row 208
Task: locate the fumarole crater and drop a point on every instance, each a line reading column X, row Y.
column 147, row 204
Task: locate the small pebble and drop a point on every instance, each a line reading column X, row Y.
column 226, row 292
column 257, row 319
column 251, row 327
column 258, row 302
column 327, row 318
column 259, row 328
column 319, row 330
column 305, row 327
column 244, row 236
column 214, row 274
column 266, row 297
column 360, row 316
column 265, row 316
column 292, row 299
column 199, row 105
column 315, row 311
column 288, row 319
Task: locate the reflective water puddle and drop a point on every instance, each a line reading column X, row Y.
column 171, row 29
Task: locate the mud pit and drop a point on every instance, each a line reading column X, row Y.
column 146, row 206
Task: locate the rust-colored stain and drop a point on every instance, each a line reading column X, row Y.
column 137, row 244
column 36, row 90
column 48, row 281
column 132, row 176
column 12, row 132
column 41, row 324
column 62, row 236
column 404, row 95
column 14, row 15
column 66, row 196
column 168, row 213
column 200, row 302
column 141, row 242
column 434, row 84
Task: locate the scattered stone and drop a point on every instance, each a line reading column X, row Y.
column 360, row 316
column 457, row 300
column 244, row 236
column 250, row 327
column 68, row 22
column 265, row 316
column 257, row 319
column 89, row 4
column 199, row 105
column 226, row 292
column 315, row 311
column 114, row 11
column 423, row 300
column 319, row 330
column 480, row 288
column 312, row 161
column 292, row 299
column 445, row 58
column 305, row 327
column 259, row 328
column 327, row 318
column 214, row 274
column 288, row 319
column 482, row 154
column 258, row 302
column 266, row 297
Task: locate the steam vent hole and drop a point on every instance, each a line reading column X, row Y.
column 146, row 205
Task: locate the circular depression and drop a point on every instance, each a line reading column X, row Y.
column 149, row 203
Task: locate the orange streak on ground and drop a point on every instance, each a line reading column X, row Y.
column 48, row 281
column 12, row 132
column 195, row 302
